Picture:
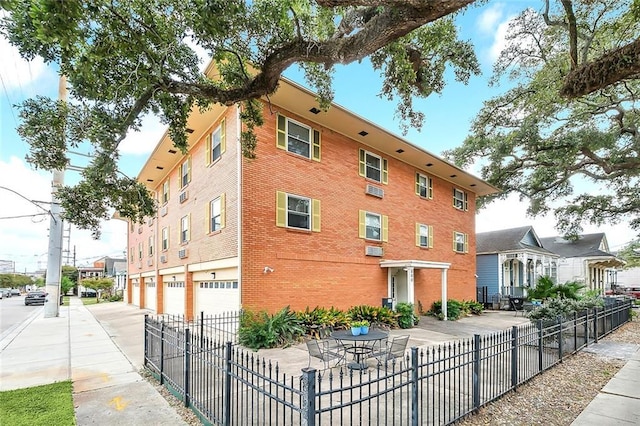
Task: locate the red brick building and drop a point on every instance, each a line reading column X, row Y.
column 333, row 211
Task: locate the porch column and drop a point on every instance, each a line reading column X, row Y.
column 444, row 293
column 410, row 284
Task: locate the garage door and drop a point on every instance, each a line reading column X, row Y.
column 216, row 297
column 150, row 301
column 136, row 293
column 174, row 298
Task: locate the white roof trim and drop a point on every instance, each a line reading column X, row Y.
column 419, row 264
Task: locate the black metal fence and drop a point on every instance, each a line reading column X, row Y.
column 227, row 385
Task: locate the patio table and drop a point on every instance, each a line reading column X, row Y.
column 359, row 346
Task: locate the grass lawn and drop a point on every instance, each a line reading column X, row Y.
column 40, row 405
column 89, row 300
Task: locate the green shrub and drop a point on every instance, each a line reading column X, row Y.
column 317, row 319
column 472, row 307
column 407, row 317
column 563, row 307
column 455, row 309
column 377, row 315
column 261, row 330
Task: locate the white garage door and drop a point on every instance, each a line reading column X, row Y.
column 150, row 301
column 174, row 298
column 216, row 297
column 136, row 293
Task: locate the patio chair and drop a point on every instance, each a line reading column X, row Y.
column 325, row 350
column 392, row 350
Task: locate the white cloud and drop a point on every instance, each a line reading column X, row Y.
column 487, row 20
column 17, row 73
column 511, row 213
column 145, row 140
column 25, row 240
column 499, row 39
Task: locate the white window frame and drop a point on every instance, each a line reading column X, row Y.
column 184, row 229
column 165, row 191
column 150, row 251
column 184, row 173
column 460, row 245
column 367, row 216
column 165, row 239
column 309, row 212
column 427, row 186
column 459, row 199
column 424, row 234
column 308, row 142
column 212, row 220
column 217, row 132
column 140, row 250
column 367, row 166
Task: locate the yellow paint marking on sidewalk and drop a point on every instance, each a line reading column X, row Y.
column 105, row 377
column 118, row 403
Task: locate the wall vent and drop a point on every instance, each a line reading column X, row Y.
column 163, row 211
column 182, row 253
column 149, row 262
column 376, row 191
column 373, row 251
column 139, row 265
column 184, row 196
column 163, row 259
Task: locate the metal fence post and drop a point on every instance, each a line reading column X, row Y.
column 162, row 353
column 146, row 339
column 514, row 356
column 575, row 331
column 476, row 371
column 595, row 324
column 540, row 344
column 201, row 329
column 187, row 362
column 586, row 327
column 559, row 321
column 308, row 397
column 227, row 386
column 414, row 386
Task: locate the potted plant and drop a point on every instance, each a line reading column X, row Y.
column 356, row 328
column 364, row 327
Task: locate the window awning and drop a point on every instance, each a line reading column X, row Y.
column 418, row 264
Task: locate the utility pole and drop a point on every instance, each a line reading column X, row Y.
column 54, row 259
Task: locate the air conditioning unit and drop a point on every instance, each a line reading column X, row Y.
column 184, row 196
column 376, row 191
column 139, row 230
column 373, row 251
column 149, row 262
column 163, row 259
column 163, row 211
column 150, row 221
column 139, row 265
column 182, row 253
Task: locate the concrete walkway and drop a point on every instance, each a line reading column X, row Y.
column 101, row 349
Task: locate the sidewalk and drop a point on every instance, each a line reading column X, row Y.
column 101, row 351
column 107, row 389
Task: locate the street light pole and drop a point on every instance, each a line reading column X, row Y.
column 54, row 260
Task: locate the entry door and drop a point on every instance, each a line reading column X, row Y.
column 400, row 289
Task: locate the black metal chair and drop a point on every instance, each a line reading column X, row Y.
column 326, row 350
column 393, row 350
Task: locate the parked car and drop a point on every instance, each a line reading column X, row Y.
column 633, row 292
column 89, row 292
column 15, row 292
column 35, row 298
column 6, row 292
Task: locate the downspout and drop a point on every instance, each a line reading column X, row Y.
column 239, row 195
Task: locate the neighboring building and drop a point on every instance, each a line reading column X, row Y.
column 85, row 272
column 7, row 267
column 586, row 260
column 511, row 260
column 333, row 211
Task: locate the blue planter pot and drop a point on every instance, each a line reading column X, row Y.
column 364, row 329
column 355, row 331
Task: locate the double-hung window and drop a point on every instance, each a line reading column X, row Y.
column 424, row 186
column 165, row 238
column 140, row 250
column 298, row 138
column 373, row 226
column 165, row 191
column 151, row 246
column 424, row 235
column 297, row 212
column 215, row 144
column 460, row 199
column 185, row 172
column 216, row 214
column 185, row 234
column 373, row 167
column 460, row 242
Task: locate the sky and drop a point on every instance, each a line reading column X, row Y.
column 25, row 191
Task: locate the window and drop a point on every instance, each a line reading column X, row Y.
column 150, row 246
column 140, row 250
column 216, row 144
column 185, row 235
column 165, row 239
column 298, row 138
column 297, row 212
column 373, row 226
column 460, row 242
column 165, row 191
column 460, row 199
column 373, row 166
column 424, row 235
column 131, row 254
column 216, row 214
column 424, row 186
column 185, row 173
